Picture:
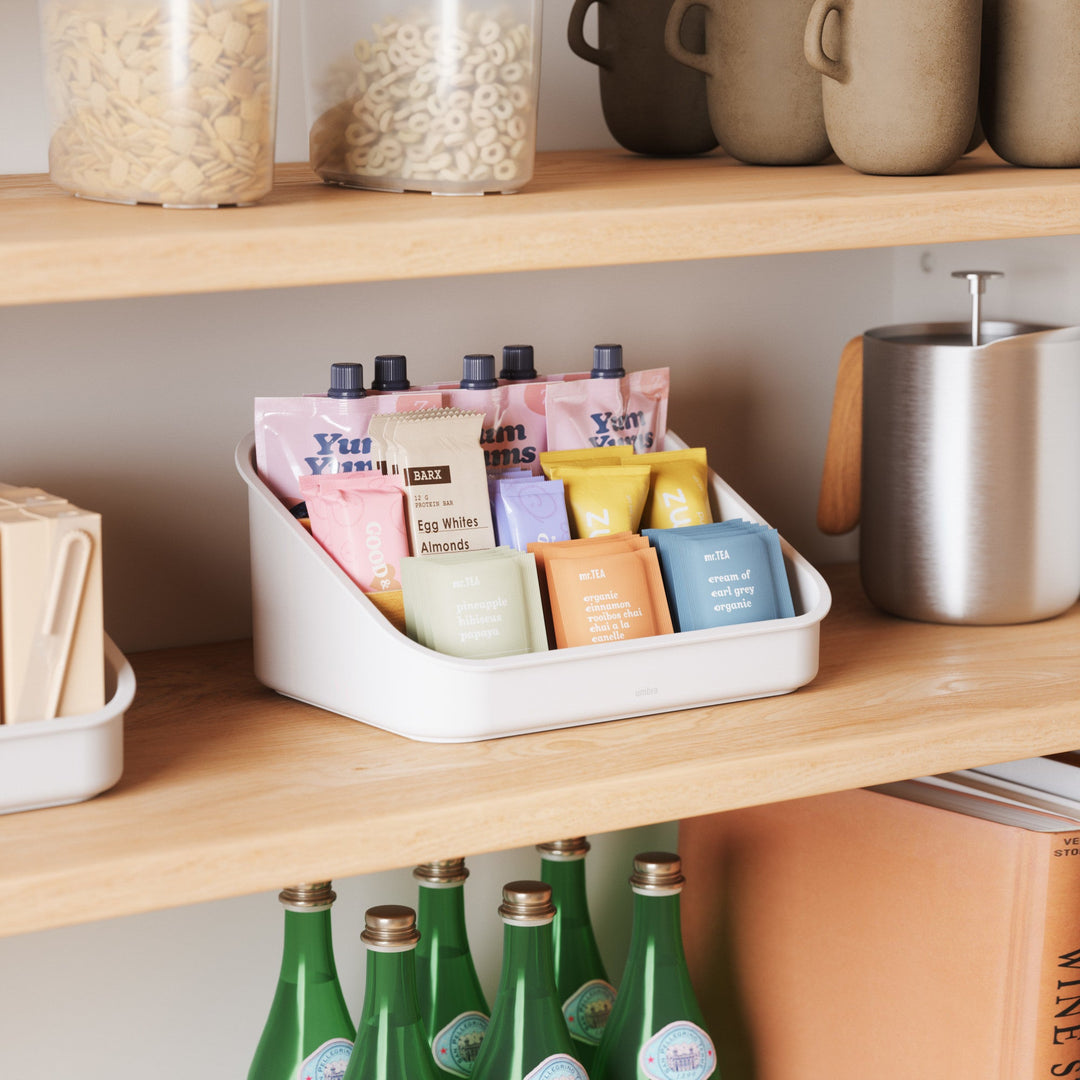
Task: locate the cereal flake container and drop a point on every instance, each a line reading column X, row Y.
column 423, row 95
column 171, row 102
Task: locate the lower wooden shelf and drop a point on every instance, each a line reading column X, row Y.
column 231, row 789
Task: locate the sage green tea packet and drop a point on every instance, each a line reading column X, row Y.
column 437, row 453
column 476, row 604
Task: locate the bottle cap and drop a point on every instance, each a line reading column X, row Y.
column 441, row 873
column 346, row 381
column 478, row 372
column 657, row 873
column 517, row 362
column 316, row 896
column 390, row 373
column 607, row 362
column 390, row 928
column 527, row 903
column 577, row 847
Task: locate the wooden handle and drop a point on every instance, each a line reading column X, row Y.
column 839, row 502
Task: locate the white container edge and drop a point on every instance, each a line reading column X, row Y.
column 70, row 758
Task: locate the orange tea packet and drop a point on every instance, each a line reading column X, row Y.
column 605, row 594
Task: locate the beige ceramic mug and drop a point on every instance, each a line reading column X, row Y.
column 901, row 80
column 1030, row 94
column 764, row 102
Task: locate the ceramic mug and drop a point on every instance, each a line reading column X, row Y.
column 651, row 104
column 1031, row 81
column 764, row 101
column 900, row 81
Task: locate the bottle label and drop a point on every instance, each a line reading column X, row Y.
column 680, row 1051
column 329, row 1062
column 558, row 1067
column 456, row 1046
column 587, row 1010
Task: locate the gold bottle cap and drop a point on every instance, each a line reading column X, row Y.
column 657, row 873
column 315, row 896
column 577, row 847
column 442, row 873
column 527, row 903
column 390, row 928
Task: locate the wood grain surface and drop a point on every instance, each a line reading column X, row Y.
column 231, row 789
column 583, row 208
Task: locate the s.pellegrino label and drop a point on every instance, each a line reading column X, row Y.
column 329, row 1062
column 679, row 1051
column 558, row 1067
column 456, row 1046
column 587, row 1010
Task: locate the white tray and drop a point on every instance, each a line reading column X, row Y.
column 71, row 758
column 319, row 639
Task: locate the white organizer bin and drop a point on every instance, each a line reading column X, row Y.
column 71, row 758
column 319, row 639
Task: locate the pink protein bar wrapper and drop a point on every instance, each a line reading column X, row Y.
column 315, row 435
column 631, row 411
column 359, row 518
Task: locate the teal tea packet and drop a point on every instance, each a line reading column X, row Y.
column 530, row 511
column 722, row 574
column 477, row 604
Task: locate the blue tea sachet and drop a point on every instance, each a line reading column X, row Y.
column 721, row 574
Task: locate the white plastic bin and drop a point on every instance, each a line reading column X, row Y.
column 71, row 758
column 319, row 639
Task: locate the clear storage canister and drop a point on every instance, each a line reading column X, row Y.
column 170, row 102
column 423, row 95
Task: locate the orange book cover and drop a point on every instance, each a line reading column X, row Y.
column 859, row 935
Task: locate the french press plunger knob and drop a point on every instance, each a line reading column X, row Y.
column 977, row 280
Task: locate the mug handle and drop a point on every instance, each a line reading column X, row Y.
column 673, row 44
column 815, row 27
column 575, row 34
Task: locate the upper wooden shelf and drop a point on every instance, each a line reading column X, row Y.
column 583, row 208
column 230, row 789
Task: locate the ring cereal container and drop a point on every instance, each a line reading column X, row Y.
column 423, row 95
column 171, row 102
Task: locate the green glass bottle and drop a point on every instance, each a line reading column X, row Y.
column 527, row 1038
column 656, row 1030
column 308, row 1034
column 452, row 1001
column 584, row 990
column 391, row 1043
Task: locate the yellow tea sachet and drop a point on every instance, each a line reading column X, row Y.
column 678, row 490
column 603, row 500
column 588, row 455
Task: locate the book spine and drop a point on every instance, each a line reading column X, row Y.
column 1057, row 1036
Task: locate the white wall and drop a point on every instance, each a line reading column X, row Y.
column 134, row 407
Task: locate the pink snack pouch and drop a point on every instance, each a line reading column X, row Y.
column 359, row 518
column 514, row 431
column 626, row 411
column 316, row 435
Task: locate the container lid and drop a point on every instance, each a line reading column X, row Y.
column 527, row 903
column 577, row 847
column 442, row 872
column 315, row 896
column 390, row 373
column 607, row 362
column 478, row 372
column 518, row 362
column 390, row 928
column 657, row 873
column 346, row 381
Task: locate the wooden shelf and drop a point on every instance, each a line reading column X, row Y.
column 231, row 789
column 583, row 208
